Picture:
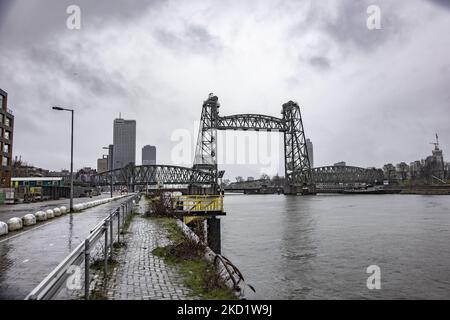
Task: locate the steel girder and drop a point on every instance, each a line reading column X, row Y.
column 346, row 174
column 155, row 174
column 254, row 122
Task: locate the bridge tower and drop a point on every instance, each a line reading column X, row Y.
column 206, row 149
column 298, row 174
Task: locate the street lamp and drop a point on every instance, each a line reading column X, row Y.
column 111, row 173
column 71, row 156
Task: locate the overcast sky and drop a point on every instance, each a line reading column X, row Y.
column 368, row 97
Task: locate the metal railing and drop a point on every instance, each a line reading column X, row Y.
column 82, row 255
column 199, row 203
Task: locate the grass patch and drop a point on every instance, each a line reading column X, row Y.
column 201, row 276
column 119, row 245
column 99, row 264
column 127, row 222
column 97, row 295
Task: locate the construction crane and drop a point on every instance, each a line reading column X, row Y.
column 436, row 144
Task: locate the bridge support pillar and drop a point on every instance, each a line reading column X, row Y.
column 213, row 235
column 294, row 190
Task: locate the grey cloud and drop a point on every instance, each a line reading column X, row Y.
column 349, row 27
column 320, row 62
column 193, row 38
column 25, row 22
column 442, row 3
column 390, row 108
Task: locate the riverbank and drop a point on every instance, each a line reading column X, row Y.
column 426, row 190
column 156, row 261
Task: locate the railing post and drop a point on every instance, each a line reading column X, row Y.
column 111, row 238
column 105, row 228
column 118, row 225
column 86, row 268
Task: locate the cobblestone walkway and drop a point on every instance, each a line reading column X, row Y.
column 141, row 276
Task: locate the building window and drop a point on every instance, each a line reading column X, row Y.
column 6, row 148
column 1, row 118
column 5, row 161
column 7, row 121
column 7, row 135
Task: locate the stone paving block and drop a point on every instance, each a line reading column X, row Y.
column 140, row 275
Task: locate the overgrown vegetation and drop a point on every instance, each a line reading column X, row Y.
column 127, row 222
column 99, row 264
column 160, row 204
column 201, row 276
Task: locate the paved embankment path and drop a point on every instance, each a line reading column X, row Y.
column 139, row 274
column 8, row 211
column 29, row 256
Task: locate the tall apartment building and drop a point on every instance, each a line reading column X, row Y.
column 148, row 155
column 124, row 141
column 309, row 147
column 6, row 140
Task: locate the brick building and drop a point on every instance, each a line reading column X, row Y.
column 6, row 140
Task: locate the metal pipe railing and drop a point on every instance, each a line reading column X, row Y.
column 54, row 282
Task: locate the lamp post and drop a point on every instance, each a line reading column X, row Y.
column 71, row 156
column 111, row 173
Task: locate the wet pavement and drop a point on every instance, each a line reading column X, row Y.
column 8, row 211
column 27, row 258
column 140, row 275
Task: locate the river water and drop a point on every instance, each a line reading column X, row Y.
column 319, row 247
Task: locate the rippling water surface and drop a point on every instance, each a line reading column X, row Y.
column 315, row 247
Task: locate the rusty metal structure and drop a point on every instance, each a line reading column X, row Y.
column 297, row 167
column 347, row 174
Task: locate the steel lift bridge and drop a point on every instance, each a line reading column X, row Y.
column 204, row 174
column 297, row 167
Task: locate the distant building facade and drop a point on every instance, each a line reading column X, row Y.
column 433, row 169
column 148, row 155
column 124, row 141
column 6, row 140
column 86, row 175
column 310, row 148
column 340, row 164
column 102, row 164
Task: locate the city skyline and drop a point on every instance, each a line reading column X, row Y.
column 346, row 122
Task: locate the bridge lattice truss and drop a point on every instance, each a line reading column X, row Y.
column 328, row 176
column 346, row 175
column 156, row 174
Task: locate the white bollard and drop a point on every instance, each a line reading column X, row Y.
column 57, row 212
column 63, row 210
column 50, row 214
column 3, row 228
column 78, row 207
column 40, row 216
column 14, row 224
column 29, row 219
